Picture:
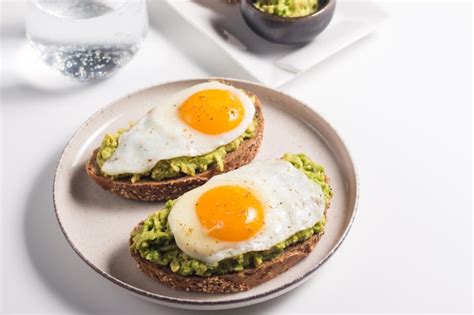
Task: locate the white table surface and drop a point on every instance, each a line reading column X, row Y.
column 401, row 98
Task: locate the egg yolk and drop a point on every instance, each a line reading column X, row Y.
column 230, row 213
column 212, row 111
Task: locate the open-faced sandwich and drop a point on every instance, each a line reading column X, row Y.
column 191, row 136
column 239, row 229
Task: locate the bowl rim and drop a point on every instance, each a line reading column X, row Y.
column 326, row 7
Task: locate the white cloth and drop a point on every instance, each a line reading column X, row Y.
column 270, row 63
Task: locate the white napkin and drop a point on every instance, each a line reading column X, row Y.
column 335, row 39
column 270, row 63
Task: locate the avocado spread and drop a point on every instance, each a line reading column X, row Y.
column 287, row 8
column 154, row 240
column 175, row 167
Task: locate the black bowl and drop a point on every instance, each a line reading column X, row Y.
column 288, row 30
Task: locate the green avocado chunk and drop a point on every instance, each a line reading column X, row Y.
column 175, row 167
column 287, row 8
column 154, row 240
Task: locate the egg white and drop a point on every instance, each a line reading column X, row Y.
column 291, row 202
column 162, row 135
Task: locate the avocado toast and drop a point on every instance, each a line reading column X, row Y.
column 170, row 178
column 155, row 248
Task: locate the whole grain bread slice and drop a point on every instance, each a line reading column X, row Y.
column 232, row 282
column 148, row 189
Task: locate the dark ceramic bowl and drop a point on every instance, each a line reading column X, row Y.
column 288, row 30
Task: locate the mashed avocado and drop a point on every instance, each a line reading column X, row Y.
column 154, row 240
column 287, row 8
column 175, row 167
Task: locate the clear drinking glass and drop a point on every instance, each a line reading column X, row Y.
column 86, row 39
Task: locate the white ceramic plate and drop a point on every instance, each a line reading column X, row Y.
column 268, row 62
column 97, row 224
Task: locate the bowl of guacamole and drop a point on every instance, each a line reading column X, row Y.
column 288, row 22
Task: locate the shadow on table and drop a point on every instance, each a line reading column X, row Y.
column 23, row 90
column 197, row 47
column 59, row 268
column 25, row 76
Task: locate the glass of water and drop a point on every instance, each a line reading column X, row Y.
column 86, row 39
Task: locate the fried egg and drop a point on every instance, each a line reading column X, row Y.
column 249, row 209
column 193, row 122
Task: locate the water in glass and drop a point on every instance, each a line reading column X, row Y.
column 86, row 39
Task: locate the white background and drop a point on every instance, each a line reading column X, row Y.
column 401, row 98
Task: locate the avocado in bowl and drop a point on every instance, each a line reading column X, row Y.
column 288, row 22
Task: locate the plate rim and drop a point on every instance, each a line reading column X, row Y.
column 177, row 302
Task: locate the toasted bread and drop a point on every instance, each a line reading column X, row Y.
column 148, row 189
column 235, row 281
column 232, row 282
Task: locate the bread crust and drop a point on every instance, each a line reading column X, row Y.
column 151, row 190
column 232, row 282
